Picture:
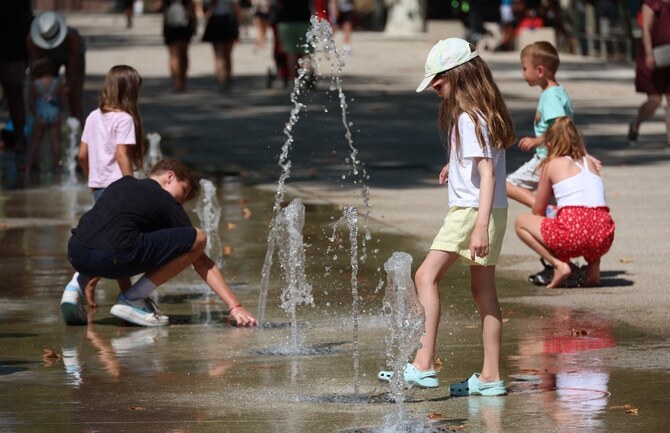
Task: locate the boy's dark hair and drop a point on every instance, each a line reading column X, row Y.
column 180, row 170
column 542, row 53
column 42, row 67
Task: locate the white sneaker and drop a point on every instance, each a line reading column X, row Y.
column 143, row 312
column 72, row 306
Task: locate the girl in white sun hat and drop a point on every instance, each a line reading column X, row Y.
column 478, row 128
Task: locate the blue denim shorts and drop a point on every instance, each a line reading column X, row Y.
column 154, row 250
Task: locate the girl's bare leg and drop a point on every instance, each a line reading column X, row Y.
column 483, row 287
column 593, row 274
column 218, row 62
column 528, row 229
column 426, row 279
column 646, row 110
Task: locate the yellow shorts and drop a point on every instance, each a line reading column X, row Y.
column 454, row 236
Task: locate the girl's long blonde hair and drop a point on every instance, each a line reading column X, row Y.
column 120, row 92
column 473, row 91
column 563, row 139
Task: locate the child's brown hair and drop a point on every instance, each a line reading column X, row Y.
column 180, row 170
column 563, row 139
column 474, row 92
column 542, row 53
column 121, row 92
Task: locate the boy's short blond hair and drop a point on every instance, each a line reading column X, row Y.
column 542, row 53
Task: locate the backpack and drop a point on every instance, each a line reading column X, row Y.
column 47, row 105
column 176, row 15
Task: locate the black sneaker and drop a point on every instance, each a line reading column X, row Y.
column 543, row 277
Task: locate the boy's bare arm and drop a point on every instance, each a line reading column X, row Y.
column 529, row 143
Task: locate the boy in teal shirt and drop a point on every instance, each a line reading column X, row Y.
column 540, row 62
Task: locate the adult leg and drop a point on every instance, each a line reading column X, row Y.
column 228, row 62
column 644, row 113
column 218, row 62
column 483, row 287
column 528, row 229
column 426, row 279
column 667, row 117
column 520, row 194
column 75, row 95
column 12, row 75
column 54, row 139
column 183, row 61
column 35, row 144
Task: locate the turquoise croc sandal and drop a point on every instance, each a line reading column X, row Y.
column 473, row 386
column 422, row 379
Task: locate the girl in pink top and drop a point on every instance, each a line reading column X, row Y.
column 112, row 146
column 583, row 226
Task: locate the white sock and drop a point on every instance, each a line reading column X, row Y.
column 79, row 280
column 140, row 290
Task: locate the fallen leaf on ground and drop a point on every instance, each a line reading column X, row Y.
column 435, row 415
column 625, row 260
column 231, row 225
column 227, row 250
column 137, row 408
column 244, row 201
column 628, row 408
column 49, row 357
column 246, row 213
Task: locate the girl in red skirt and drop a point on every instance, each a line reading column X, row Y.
column 583, row 226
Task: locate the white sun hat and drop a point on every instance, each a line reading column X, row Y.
column 445, row 55
column 48, row 30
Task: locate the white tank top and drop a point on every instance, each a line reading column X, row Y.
column 583, row 189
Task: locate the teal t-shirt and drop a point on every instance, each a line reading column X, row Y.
column 554, row 103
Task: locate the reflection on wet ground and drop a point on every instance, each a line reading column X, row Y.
column 563, row 367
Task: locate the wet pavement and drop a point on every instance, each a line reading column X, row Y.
column 569, row 366
column 562, row 366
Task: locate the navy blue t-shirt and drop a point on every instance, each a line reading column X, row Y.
column 126, row 210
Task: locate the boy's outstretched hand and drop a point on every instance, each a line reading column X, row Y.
column 241, row 316
column 529, row 143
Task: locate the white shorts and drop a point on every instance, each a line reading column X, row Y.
column 528, row 175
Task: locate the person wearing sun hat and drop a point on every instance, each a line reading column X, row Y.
column 51, row 37
column 477, row 128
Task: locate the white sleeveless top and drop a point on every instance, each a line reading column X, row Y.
column 583, row 189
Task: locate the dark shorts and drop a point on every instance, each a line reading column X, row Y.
column 345, row 17
column 221, row 28
column 153, row 251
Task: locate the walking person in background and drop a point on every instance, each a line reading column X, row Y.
column 344, row 17
column 128, row 12
column 112, row 146
column 179, row 24
column 261, row 10
column 46, row 95
column 583, row 225
column 51, row 37
column 292, row 20
column 222, row 30
column 650, row 77
column 475, row 120
column 15, row 18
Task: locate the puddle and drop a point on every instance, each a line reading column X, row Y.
column 567, row 369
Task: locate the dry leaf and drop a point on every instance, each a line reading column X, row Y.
column 244, row 201
column 49, row 357
column 231, row 225
column 227, row 250
column 628, row 408
column 246, row 213
column 625, row 260
column 137, row 408
column 435, row 415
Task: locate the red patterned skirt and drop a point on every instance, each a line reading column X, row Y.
column 579, row 231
